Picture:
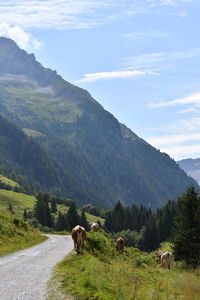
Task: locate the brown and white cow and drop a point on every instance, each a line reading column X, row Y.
column 94, row 227
column 120, row 244
column 166, row 259
column 78, row 235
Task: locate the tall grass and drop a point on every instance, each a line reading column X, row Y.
column 101, row 273
column 16, row 234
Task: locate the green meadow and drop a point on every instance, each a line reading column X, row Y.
column 102, row 273
column 18, row 200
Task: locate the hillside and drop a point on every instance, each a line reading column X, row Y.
column 25, row 156
column 132, row 275
column 191, row 167
column 21, row 201
column 16, row 234
column 103, row 160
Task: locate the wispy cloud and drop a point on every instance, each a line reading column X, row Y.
column 178, row 146
column 132, row 36
column 169, row 2
column 57, row 14
column 113, row 75
column 191, row 99
column 179, row 152
column 159, row 60
column 72, row 14
column 180, row 139
column 174, row 139
column 19, row 16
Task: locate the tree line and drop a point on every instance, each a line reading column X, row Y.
column 46, row 209
column 178, row 222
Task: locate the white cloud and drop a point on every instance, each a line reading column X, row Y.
column 169, row 2
column 143, row 35
column 23, row 39
column 181, row 126
column 180, row 139
column 159, row 60
column 189, row 110
column 179, row 152
column 191, row 99
column 57, row 14
column 113, row 75
column 174, row 139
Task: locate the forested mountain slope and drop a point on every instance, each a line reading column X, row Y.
column 107, row 160
column 25, row 156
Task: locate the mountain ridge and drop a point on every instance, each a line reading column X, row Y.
column 107, row 160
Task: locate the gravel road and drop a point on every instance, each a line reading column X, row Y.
column 24, row 275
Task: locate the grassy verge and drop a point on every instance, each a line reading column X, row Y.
column 16, row 234
column 102, row 273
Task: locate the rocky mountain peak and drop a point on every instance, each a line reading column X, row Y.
column 15, row 61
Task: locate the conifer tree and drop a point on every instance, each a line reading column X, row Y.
column 53, row 205
column 62, row 222
column 186, row 234
column 40, row 209
column 25, row 214
column 73, row 216
column 83, row 220
column 149, row 236
column 48, row 219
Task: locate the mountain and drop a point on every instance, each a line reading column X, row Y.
column 106, row 160
column 23, row 155
column 191, row 167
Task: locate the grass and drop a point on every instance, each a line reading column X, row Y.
column 16, row 234
column 18, row 200
column 102, row 273
column 8, row 181
column 90, row 218
column 22, row 201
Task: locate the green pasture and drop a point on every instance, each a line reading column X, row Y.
column 102, row 273
column 18, row 200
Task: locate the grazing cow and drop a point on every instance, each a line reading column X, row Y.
column 120, row 244
column 78, row 236
column 95, row 227
column 166, row 259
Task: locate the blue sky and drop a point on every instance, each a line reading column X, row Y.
column 139, row 58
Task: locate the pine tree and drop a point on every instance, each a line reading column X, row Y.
column 25, row 214
column 83, row 220
column 48, row 218
column 149, row 236
column 186, row 234
column 40, row 209
column 53, row 205
column 73, row 216
column 62, row 222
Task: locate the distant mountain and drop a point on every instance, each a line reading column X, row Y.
column 191, row 167
column 106, row 160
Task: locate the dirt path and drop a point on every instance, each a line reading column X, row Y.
column 24, row 275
